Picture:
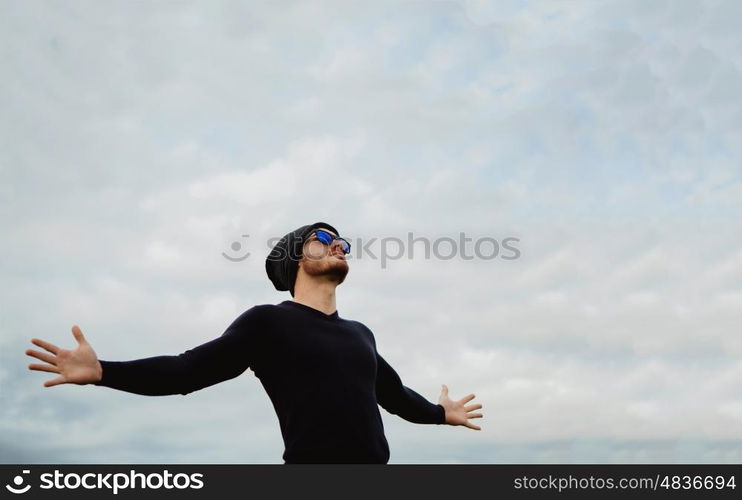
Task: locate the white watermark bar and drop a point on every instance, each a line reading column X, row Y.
column 352, row 481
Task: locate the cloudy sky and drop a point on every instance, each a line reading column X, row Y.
column 141, row 141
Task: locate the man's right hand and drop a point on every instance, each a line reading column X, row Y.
column 80, row 366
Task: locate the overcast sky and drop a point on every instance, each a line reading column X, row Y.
column 140, row 142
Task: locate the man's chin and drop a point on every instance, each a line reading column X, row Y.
column 334, row 266
column 340, row 268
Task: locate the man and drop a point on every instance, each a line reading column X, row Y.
column 322, row 372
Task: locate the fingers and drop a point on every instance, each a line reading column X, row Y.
column 42, row 356
column 474, row 415
column 466, row 399
column 78, row 334
column 444, row 389
column 472, row 408
column 43, row 368
column 472, row 426
column 46, row 345
column 56, row 381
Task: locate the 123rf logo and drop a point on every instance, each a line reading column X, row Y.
column 114, row 482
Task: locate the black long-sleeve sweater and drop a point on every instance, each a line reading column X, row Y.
column 321, row 372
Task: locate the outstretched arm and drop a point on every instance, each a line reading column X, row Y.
column 220, row 359
column 400, row 400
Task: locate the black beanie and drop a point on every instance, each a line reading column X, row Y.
column 282, row 263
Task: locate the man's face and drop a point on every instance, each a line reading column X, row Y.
column 320, row 259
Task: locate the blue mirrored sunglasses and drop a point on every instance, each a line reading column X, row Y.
column 327, row 239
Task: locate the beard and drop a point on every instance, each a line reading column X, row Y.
column 331, row 267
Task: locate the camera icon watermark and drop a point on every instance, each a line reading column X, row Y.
column 236, row 247
column 18, row 487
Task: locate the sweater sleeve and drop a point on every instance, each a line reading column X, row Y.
column 220, row 359
column 402, row 401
